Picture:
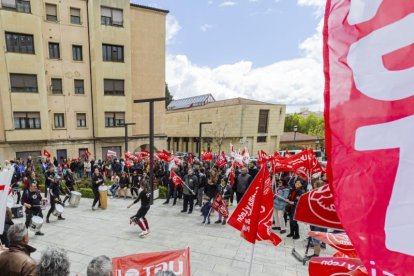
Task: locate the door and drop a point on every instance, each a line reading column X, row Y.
column 115, row 149
column 61, row 154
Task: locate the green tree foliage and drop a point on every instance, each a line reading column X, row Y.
column 168, row 96
column 312, row 124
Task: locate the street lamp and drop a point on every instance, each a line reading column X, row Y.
column 199, row 137
column 151, row 136
column 126, row 133
column 295, row 129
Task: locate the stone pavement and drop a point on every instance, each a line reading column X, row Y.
column 215, row 249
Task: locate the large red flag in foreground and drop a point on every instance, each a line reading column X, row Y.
column 330, row 266
column 149, row 264
column 338, row 241
column 369, row 106
column 253, row 215
column 317, row 208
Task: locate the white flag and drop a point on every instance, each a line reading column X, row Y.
column 5, row 180
column 111, row 153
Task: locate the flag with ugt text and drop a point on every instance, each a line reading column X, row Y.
column 253, row 215
column 331, row 266
column 369, row 117
column 176, row 180
column 220, row 205
column 149, row 264
column 5, row 180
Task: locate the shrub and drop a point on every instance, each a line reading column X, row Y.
column 86, row 192
column 163, row 191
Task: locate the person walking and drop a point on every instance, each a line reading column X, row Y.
column 97, row 180
column 139, row 218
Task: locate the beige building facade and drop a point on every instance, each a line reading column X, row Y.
column 241, row 122
column 69, row 72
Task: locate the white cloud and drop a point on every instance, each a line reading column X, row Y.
column 205, row 27
column 210, row 2
column 172, row 28
column 318, row 4
column 227, row 4
column 297, row 82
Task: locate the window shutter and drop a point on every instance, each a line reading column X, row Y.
column 105, row 12
column 119, row 85
column 51, row 10
column 9, row 3
column 117, row 16
column 75, row 12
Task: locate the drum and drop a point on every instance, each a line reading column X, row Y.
column 17, row 211
column 103, row 196
column 36, row 224
column 58, row 210
column 74, row 198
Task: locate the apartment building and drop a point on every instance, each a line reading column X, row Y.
column 69, row 72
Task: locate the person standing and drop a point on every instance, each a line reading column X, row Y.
column 54, row 192
column 190, row 181
column 145, row 198
column 97, row 180
column 17, row 260
column 280, row 202
column 70, row 183
column 242, row 183
column 49, row 179
column 293, row 201
column 135, row 183
column 32, row 200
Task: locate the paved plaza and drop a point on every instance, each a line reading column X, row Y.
column 215, row 249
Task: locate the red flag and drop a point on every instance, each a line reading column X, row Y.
column 208, row 156
column 177, row 261
column 221, row 160
column 190, row 159
column 164, row 155
column 220, row 205
column 87, row 153
column 340, row 242
column 317, row 208
column 175, row 178
column 144, row 154
column 287, row 154
column 369, row 107
column 253, row 215
column 262, row 157
column 46, row 153
column 336, row 266
column 232, row 174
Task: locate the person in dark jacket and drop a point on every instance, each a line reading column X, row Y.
column 243, row 181
column 54, row 192
column 135, row 179
column 97, row 180
column 190, row 181
column 224, row 189
column 293, row 202
column 253, row 169
column 145, row 198
column 32, row 201
column 205, row 210
column 202, row 182
column 70, row 183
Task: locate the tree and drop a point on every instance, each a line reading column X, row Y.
column 168, row 96
column 219, row 134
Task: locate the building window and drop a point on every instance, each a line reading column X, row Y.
column 56, row 86
column 79, row 87
column 114, row 87
column 112, row 53
column 26, row 120
column 114, row 119
column 263, row 121
column 81, row 120
column 16, row 5
column 54, row 52
column 111, row 16
column 75, row 16
column 51, row 12
column 23, row 83
column 59, row 120
column 19, row 43
column 261, row 139
column 77, row 52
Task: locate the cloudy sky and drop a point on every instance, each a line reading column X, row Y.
column 268, row 50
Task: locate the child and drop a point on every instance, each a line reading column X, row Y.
column 224, row 189
column 205, row 209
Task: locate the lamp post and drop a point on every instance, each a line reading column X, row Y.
column 126, row 133
column 295, row 129
column 151, row 136
column 199, row 137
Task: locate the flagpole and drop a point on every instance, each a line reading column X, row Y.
column 251, row 260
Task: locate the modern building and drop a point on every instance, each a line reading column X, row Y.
column 69, row 72
column 241, row 122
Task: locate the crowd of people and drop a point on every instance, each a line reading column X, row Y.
column 201, row 182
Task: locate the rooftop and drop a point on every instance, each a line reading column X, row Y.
column 191, row 102
column 149, row 8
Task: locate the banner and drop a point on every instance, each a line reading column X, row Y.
column 220, row 205
column 47, row 153
column 369, row 107
column 149, row 264
column 164, row 156
column 208, row 156
column 176, row 180
column 111, row 153
column 331, row 266
column 87, row 153
column 317, row 208
column 253, row 214
column 5, row 180
column 221, row 160
column 339, row 241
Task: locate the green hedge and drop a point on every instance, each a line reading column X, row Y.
column 163, row 191
column 86, row 192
